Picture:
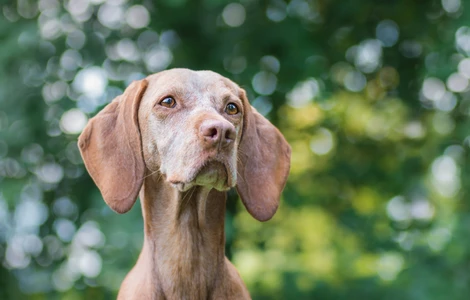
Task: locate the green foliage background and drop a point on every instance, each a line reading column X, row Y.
column 373, row 96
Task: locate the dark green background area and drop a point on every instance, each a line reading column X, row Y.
column 377, row 203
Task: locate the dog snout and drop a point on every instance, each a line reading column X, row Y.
column 216, row 132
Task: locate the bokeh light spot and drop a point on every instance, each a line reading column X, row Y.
column 464, row 67
column 355, row 81
column 457, row 83
column 50, row 173
column 73, row 121
column 234, row 14
column 322, row 142
column 451, row 6
column 90, row 264
column 438, row 238
column 433, row 88
column 158, row 58
column 264, row 83
column 398, row 209
column 368, row 56
column 389, row 265
column 270, row 63
column 111, row 16
column 235, row 65
column 445, row 174
column 303, row 93
column 462, row 39
column 65, row 229
column 137, row 16
column 387, row 32
column 276, row 10
column 91, row 82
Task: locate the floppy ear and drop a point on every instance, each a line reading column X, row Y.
column 263, row 165
column 111, row 148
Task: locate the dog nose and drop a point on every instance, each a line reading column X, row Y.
column 215, row 132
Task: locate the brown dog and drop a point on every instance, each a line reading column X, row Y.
column 182, row 138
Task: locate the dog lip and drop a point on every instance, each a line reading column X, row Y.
column 176, row 182
column 200, row 168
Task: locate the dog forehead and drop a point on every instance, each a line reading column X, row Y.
column 189, row 84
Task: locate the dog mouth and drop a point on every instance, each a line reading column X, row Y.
column 211, row 173
column 214, row 173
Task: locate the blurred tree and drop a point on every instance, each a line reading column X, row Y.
column 373, row 96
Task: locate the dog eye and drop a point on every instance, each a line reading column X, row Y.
column 168, row 102
column 231, row 109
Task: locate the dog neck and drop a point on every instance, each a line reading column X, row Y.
column 184, row 238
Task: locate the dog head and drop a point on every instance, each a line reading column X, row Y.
column 192, row 127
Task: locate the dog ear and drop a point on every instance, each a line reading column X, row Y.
column 111, row 148
column 263, row 166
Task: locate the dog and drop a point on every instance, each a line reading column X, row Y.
column 180, row 139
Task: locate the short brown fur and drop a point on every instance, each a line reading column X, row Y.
column 182, row 161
